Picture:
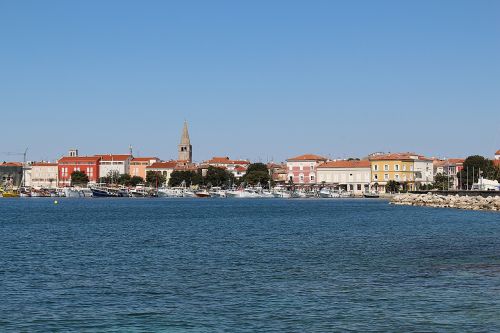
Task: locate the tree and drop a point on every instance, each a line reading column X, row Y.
column 124, row 179
column 188, row 177
column 217, row 176
column 257, row 173
column 442, row 182
column 155, row 178
column 392, row 186
column 136, row 180
column 79, row 178
column 474, row 167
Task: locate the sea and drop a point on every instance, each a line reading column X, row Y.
column 246, row 265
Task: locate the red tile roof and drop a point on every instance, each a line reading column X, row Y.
column 497, row 152
column 307, row 157
column 111, row 157
column 163, row 165
column 226, row 160
column 240, row 169
column 346, row 164
column 69, row 159
column 11, row 164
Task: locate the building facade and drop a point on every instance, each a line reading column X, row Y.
column 408, row 169
column 11, row 174
column 236, row 167
column 114, row 164
column 302, row 169
column 68, row 164
column 449, row 167
column 138, row 165
column 185, row 148
column 44, row 175
column 497, row 155
column 352, row 176
column 165, row 168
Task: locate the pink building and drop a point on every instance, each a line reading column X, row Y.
column 302, row 169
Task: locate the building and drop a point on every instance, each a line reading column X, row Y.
column 408, row 169
column 353, row 176
column 44, row 175
column 114, row 164
column 68, row 164
column 449, row 167
column 138, row 165
column 302, row 169
column 278, row 172
column 165, row 168
column 11, row 174
column 185, row 148
column 497, row 155
column 236, row 167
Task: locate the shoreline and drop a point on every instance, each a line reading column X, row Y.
column 490, row 203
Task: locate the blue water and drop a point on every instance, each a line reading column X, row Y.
column 215, row 265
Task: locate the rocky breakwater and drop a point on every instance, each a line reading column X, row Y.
column 448, row 201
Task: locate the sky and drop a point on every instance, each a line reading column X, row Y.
column 263, row 80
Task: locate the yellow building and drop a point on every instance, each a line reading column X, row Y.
column 405, row 168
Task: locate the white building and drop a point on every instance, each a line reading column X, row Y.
column 114, row 164
column 497, row 155
column 353, row 176
column 44, row 175
column 423, row 170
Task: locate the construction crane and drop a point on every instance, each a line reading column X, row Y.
column 8, row 153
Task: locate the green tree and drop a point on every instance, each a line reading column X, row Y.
column 188, row 177
column 79, row 178
column 257, row 173
column 474, row 167
column 136, row 180
column 392, row 186
column 217, row 176
column 155, row 178
column 124, row 179
column 442, row 182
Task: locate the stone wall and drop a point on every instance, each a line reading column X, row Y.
column 448, row 201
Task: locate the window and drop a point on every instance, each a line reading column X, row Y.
column 301, row 177
column 358, row 187
column 375, row 167
column 375, row 177
column 396, row 176
column 386, row 176
column 396, row 167
column 312, row 178
column 351, row 187
column 386, row 167
column 404, row 167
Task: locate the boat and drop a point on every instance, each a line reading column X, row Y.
column 371, row 195
column 70, row 192
column 202, row 194
column 109, row 192
column 10, row 194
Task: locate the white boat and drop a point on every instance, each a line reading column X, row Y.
column 70, row 192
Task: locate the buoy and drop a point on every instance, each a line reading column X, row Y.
column 55, row 202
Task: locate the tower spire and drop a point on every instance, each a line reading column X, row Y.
column 185, row 148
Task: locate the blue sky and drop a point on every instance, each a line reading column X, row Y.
column 256, row 79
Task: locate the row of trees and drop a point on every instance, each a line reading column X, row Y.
column 256, row 173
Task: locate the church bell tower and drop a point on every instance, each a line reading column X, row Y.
column 185, row 148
